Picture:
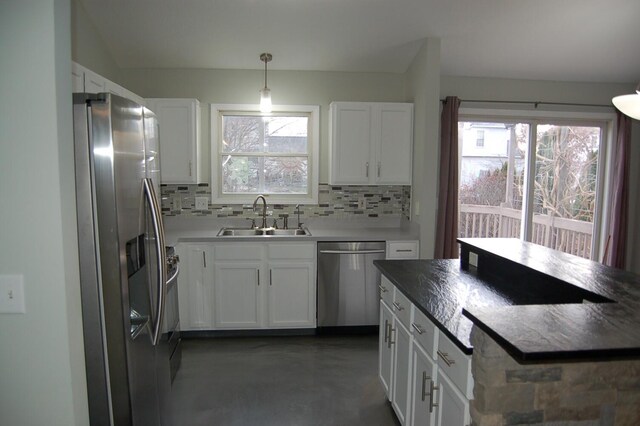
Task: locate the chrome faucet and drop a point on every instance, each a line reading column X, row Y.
column 298, row 211
column 264, row 209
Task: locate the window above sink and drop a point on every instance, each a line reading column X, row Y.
column 274, row 154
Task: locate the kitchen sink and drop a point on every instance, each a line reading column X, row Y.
column 263, row 232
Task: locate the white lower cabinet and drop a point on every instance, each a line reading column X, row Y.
column 401, row 372
column 423, row 391
column 385, row 350
column 238, row 295
column 453, row 405
column 247, row 285
column 291, row 294
column 195, row 286
column 424, row 403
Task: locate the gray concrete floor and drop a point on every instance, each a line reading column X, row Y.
column 301, row 381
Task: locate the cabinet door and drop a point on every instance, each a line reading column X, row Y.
column 350, row 141
column 77, row 78
column 194, row 286
column 385, row 350
column 179, row 134
column 393, row 136
column 93, row 83
column 291, row 290
column 237, row 292
column 453, row 405
column 423, row 412
column 401, row 362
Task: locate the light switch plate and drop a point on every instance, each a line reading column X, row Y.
column 177, row 203
column 202, row 203
column 12, row 294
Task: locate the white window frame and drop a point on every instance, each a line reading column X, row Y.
column 606, row 120
column 313, row 143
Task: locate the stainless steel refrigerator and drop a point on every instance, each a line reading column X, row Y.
column 122, row 261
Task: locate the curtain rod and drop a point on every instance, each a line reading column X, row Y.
column 534, row 103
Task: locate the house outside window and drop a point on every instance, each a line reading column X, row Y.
column 274, row 154
column 543, row 182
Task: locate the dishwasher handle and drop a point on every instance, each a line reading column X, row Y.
column 351, row 251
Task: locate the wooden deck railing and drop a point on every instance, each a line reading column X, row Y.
column 568, row 235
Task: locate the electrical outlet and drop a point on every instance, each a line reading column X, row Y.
column 12, row 294
column 473, row 259
column 177, row 203
column 362, row 203
column 202, row 203
column 416, row 208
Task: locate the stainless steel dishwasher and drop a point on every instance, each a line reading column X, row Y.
column 348, row 293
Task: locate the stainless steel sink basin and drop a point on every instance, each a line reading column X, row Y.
column 265, row 232
column 303, row 231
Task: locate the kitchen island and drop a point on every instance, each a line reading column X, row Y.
column 551, row 337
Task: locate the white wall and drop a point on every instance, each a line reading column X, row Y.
column 423, row 89
column 287, row 88
column 551, row 91
column 88, row 48
column 42, row 377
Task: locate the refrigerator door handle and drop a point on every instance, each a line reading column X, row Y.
column 158, row 228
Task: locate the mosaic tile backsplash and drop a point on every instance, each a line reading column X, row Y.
column 333, row 201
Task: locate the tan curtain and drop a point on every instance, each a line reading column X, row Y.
column 618, row 216
column 447, row 225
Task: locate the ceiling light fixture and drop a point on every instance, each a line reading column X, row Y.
column 629, row 104
column 265, row 93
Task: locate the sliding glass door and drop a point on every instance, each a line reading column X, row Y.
column 537, row 180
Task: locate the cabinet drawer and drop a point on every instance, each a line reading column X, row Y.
column 238, row 251
column 386, row 291
column 455, row 364
column 424, row 331
column 288, row 251
column 402, row 308
column 402, row 250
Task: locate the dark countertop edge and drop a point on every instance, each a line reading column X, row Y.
column 555, row 356
column 464, row 348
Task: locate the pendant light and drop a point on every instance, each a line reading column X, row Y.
column 265, row 93
column 629, row 104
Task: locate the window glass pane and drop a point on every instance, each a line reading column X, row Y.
column 242, row 134
column 286, row 134
column 246, row 133
column 240, row 174
column 565, row 187
column 285, row 175
column 491, row 178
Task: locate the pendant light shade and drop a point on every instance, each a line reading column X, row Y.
column 265, row 92
column 629, row 104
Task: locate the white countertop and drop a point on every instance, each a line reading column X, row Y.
column 194, row 230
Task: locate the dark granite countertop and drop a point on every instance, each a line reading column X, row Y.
column 529, row 299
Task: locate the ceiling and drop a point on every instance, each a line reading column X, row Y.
column 566, row 40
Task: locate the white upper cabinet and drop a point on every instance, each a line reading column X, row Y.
column 179, row 121
column 371, row 143
column 87, row 81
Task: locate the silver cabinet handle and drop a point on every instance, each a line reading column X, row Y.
column 258, row 271
column 367, row 172
column 382, row 288
column 351, row 251
column 158, row 229
column 417, row 328
column 445, row 358
column 424, row 385
column 379, row 166
column 204, row 259
column 390, row 342
column 404, row 250
column 397, row 306
column 190, row 165
column 270, row 276
column 432, row 388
